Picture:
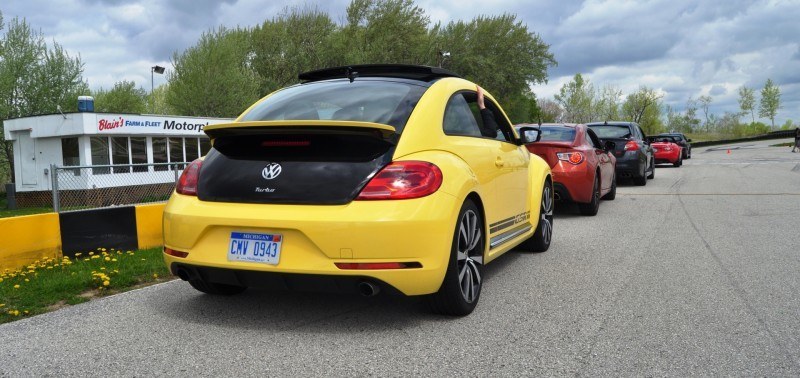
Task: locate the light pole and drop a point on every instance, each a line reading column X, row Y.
column 157, row 69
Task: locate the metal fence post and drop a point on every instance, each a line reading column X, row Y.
column 54, row 177
column 176, row 174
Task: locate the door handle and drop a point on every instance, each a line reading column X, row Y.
column 499, row 162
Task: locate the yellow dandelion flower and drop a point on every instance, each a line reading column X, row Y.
column 27, row 280
column 86, row 259
column 155, row 275
column 91, row 253
column 73, row 273
column 27, row 312
column 78, row 254
column 49, row 267
column 102, row 249
column 102, row 268
column 1, row 280
column 107, row 258
column 106, row 283
column 95, row 257
column 2, row 305
column 16, row 286
column 144, row 259
column 114, row 260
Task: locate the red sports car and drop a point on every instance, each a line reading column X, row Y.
column 583, row 168
column 666, row 150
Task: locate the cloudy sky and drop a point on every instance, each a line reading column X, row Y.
column 684, row 48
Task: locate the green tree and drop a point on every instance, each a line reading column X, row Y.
column 298, row 40
column 770, row 101
column 499, row 53
column 386, row 31
column 705, row 103
column 576, row 98
column 747, row 101
column 124, row 97
column 157, row 101
column 607, row 104
column 644, row 108
column 215, row 77
column 34, row 79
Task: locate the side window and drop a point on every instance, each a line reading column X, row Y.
column 591, row 138
column 459, row 119
column 641, row 132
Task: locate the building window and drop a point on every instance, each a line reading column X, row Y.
column 192, row 151
column 119, row 154
column 139, row 153
column 70, row 154
column 160, row 153
column 176, row 151
column 205, row 146
column 100, row 154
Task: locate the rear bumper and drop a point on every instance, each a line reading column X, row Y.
column 316, row 237
column 573, row 183
column 671, row 157
column 629, row 165
column 280, row 281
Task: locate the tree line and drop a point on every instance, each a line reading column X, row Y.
column 580, row 101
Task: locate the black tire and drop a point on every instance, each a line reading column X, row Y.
column 215, row 288
column 641, row 180
column 593, row 206
column 613, row 192
column 540, row 241
column 678, row 163
column 461, row 288
column 652, row 174
column 689, row 154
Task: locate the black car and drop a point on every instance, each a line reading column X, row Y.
column 682, row 141
column 633, row 152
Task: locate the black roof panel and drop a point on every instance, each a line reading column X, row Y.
column 402, row 71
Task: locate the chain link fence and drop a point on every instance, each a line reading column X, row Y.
column 96, row 186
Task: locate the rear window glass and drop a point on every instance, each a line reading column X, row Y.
column 611, row 131
column 385, row 102
column 558, row 134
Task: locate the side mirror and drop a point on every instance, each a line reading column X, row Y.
column 689, row 140
column 610, row 146
column 528, row 134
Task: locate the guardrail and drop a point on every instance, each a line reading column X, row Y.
column 771, row 135
column 99, row 186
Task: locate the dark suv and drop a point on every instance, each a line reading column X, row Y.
column 682, row 141
column 633, row 152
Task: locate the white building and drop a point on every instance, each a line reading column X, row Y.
column 86, row 138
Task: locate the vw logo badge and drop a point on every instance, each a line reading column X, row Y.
column 271, row 171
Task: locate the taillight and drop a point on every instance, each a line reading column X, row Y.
column 572, row 157
column 403, row 180
column 631, row 146
column 187, row 184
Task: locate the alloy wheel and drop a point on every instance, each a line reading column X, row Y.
column 546, row 214
column 469, row 255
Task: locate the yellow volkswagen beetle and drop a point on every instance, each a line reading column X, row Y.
column 361, row 179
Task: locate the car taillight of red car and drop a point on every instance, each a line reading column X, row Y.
column 574, row 158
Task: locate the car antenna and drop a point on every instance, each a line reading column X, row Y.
column 352, row 75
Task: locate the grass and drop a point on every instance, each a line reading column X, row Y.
column 52, row 283
column 5, row 213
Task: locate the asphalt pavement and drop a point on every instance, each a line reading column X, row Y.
column 697, row 273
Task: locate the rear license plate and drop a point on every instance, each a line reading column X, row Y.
column 252, row 247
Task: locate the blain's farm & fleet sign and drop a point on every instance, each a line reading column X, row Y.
column 126, row 124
